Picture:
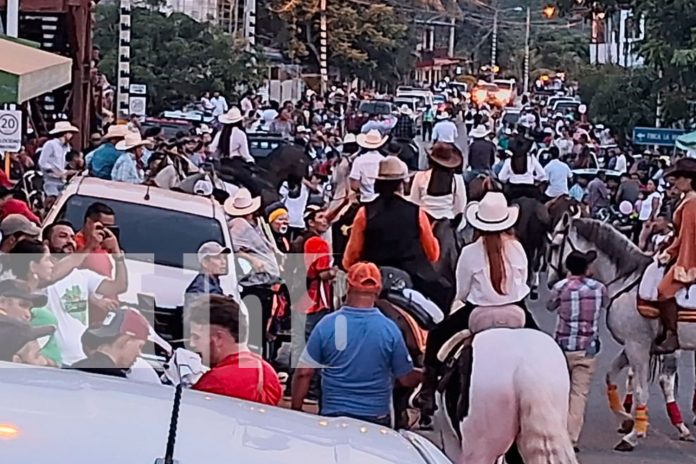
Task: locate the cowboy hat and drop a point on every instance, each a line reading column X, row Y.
column 443, row 115
column 62, row 127
column 392, row 168
column 480, row 132
column 492, row 214
column 349, row 138
column 231, row 117
column 446, row 156
column 405, row 110
column 117, row 131
column 130, row 141
column 242, row 203
column 372, row 140
column 684, row 167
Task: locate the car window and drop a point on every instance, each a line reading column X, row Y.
column 261, row 147
column 376, row 107
column 146, row 229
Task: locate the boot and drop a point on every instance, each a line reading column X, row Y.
column 425, row 399
column 668, row 316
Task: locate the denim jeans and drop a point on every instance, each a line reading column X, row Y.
column 384, row 421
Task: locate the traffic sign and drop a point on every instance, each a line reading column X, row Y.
column 656, row 136
column 137, row 106
column 138, row 89
column 10, row 131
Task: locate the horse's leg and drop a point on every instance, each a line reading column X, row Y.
column 624, row 418
column 628, row 397
column 668, row 373
column 639, row 358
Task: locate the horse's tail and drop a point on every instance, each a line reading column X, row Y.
column 543, row 436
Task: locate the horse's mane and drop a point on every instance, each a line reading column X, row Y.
column 623, row 253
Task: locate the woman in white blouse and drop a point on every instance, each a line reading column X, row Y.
column 440, row 191
column 521, row 172
column 492, row 271
column 231, row 141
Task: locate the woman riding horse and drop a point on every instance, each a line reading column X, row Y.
column 520, row 172
column 492, row 271
column 391, row 231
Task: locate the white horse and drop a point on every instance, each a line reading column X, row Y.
column 516, row 396
column 620, row 265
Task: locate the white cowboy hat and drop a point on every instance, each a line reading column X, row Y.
column 205, row 129
column 372, row 140
column 242, row 203
column 405, row 110
column 443, row 115
column 62, row 127
column 492, row 214
column 349, row 138
column 130, row 141
column 231, row 117
column 117, row 131
column 479, row 132
column 392, row 168
column 302, row 130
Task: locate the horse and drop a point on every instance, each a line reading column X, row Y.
column 620, row 265
column 513, row 397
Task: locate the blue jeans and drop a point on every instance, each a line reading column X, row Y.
column 384, row 421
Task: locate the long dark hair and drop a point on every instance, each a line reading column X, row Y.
column 225, row 134
column 520, row 146
column 440, row 183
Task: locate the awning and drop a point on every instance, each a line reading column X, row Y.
column 27, row 72
column 687, row 141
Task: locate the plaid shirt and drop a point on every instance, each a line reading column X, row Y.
column 579, row 301
column 126, row 170
column 403, row 130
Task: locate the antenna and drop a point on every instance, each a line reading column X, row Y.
column 147, row 193
column 173, row 423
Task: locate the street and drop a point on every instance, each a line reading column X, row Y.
column 600, row 431
column 462, row 142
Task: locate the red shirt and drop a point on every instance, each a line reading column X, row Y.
column 14, row 206
column 243, row 375
column 97, row 261
column 317, row 258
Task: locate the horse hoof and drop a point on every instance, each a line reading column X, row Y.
column 626, row 426
column 624, row 446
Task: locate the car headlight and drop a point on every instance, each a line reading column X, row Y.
column 431, row 454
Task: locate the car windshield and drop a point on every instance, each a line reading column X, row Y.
column 410, row 102
column 167, row 234
column 504, row 85
column 376, row 107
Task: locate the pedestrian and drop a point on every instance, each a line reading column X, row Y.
column 440, row 191
column 129, row 167
column 114, row 345
column 97, row 215
column 366, row 165
column 245, row 104
column 361, row 355
column 283, row 124
column 557, row 173
column 219, row 332
column 445, row 130
column 10, row 205
column 578, row 191
column 100, row 162
column 647, row 215
column 17, row 339
column 213, row 263
column 294, row 194
column 231, row 141
column 629, row 190
column 598, row 196
column 14, row 229
column 428, row 119
column 52, row 159
column 279, row 220
column 579, row 301
column 219, row 104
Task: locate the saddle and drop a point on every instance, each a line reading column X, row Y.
column 648, row 295
column 414, row 336
column 398, row 290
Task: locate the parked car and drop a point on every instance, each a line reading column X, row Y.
column 373, row 107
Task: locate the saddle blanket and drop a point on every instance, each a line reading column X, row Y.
column 647, row 289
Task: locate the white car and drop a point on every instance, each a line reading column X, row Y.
column 53, row 415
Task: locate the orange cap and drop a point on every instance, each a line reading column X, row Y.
column 365, row 277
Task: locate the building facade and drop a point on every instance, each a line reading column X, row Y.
column 615, row 37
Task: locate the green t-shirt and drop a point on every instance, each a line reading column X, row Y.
column 50, row 350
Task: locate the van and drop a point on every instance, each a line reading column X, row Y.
column 424, row 97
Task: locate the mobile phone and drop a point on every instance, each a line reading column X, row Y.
column 116, row 231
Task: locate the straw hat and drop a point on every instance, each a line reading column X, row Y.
column 117, row 131
column 242, row 203
column 62, row 127
column 349, row 138
column 130, row 141
column 405, row 110
column 446, row 156
column 480, row 132
column 232, row 116
column 372, row 140
column 392, row 168
column 492, row 214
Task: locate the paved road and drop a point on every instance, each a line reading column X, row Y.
column 599, row 434
column 462, row 142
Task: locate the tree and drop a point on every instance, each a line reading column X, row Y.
column 176, row 57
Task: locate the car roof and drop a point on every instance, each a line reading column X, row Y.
column 132, row 193
column 58, row 412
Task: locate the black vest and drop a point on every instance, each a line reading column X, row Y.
column 392, row 234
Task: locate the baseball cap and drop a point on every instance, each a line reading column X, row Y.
column 365, row 277
column 211, row 249
column 124, row 321
column 14, row 334
column 17, row 289
column 17, row 223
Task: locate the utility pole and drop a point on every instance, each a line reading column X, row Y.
column 124, row 49
column 453, row 26
column 323, row 45
column 250, row 24
column 12, row 23
column 526, row 49
column 494, row 45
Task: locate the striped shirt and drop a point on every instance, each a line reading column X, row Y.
column 579, row 301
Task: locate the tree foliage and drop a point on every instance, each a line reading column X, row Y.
column 176, row 57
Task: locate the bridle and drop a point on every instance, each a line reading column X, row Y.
column 559, row 267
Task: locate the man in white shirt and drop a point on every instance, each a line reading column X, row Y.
column 557, row 174
column 52, row 158
column 219, row 103
column 207, row 105
column 246, row 104
column 366, row 166
column 564, row 143
column 621, row 163
column 445, row 129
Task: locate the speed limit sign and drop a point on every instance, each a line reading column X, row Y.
column 10, row 131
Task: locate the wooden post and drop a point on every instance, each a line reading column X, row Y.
column 8, row 163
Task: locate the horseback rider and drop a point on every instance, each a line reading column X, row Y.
column 440, row 190
column 521, row 171
column 366, row 165
column 680, row 256
column 413, row 249
column 405, row 129
column 491, row 272
column 231, row 141
column 481, row 153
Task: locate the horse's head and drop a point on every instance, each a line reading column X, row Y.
column 559, row 247
column 480, row 185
